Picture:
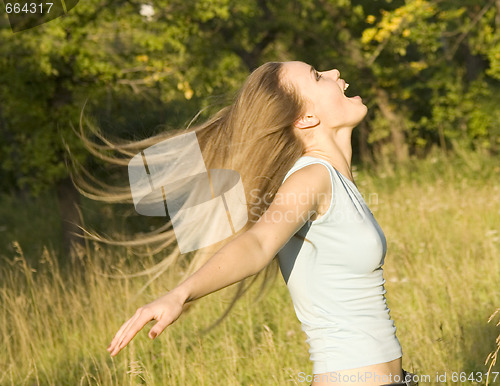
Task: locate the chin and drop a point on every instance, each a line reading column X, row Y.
column 362, row 114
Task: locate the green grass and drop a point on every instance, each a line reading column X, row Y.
column 442, row 268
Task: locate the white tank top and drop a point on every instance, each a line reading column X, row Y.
column 338, row 289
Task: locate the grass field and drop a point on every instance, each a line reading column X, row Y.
column 441, row 218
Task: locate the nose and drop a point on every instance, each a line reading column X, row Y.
column 335, row 73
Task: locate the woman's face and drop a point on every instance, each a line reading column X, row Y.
column 324, row 95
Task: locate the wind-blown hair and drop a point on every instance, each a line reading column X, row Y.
column 253, row 136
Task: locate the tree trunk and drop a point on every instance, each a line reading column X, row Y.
column 396, row 123
column 364, row 151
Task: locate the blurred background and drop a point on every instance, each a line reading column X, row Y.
column 428, row 150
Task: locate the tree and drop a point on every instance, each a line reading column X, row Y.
column 428, row 69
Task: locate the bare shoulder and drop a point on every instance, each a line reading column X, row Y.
column 296, row 201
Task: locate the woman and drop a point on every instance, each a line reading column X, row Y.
column 297, row 123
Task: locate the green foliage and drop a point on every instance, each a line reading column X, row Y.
column 431, row 56
column 438, row 62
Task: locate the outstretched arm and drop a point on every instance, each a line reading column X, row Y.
column 232, row 263
column 244, row 256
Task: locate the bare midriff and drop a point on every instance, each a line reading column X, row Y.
column 373, row 375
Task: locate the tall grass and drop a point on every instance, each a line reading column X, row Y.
column 442, row 269
column 491, row 360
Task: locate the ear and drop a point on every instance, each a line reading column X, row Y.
column 307, row 121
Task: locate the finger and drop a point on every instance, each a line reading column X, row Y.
column 132, row 331
column 158, row 328
column 118, row 335
column 129, row 334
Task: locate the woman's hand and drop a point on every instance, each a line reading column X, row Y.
column 165, row 310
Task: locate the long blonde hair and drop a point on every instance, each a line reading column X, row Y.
column 253, row 136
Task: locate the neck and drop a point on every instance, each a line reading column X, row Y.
column 333, row 146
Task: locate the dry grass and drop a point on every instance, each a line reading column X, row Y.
column 441, row 269
column 492, row 356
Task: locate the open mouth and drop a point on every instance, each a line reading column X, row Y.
column 346, row 85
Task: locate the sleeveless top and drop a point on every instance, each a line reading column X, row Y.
column 337, row 288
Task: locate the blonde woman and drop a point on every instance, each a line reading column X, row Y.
column 288, row 134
